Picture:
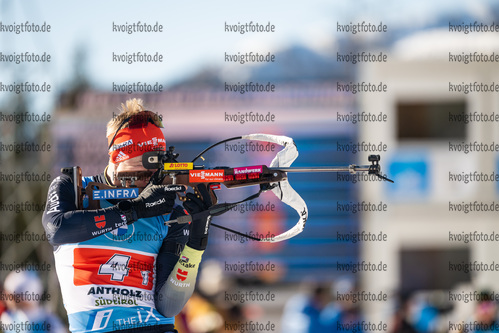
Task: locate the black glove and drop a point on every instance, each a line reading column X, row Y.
column 201, row 218
column 154, row 200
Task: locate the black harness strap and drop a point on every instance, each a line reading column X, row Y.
column 220, row 209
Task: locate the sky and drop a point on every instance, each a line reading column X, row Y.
column 193, row 35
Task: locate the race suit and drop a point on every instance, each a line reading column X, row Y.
column 112, row 274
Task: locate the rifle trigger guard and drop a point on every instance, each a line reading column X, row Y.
column 267, row 187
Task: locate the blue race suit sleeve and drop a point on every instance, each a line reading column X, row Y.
column 170, row 298
column 64, row 223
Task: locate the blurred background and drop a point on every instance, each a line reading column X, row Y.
column 309, row 289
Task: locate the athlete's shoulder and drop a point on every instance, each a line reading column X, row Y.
column 62, row 180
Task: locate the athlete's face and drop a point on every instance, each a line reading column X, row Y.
column 129, row 168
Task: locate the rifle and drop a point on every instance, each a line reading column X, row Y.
column 171, row 172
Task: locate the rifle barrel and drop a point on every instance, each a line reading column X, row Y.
column 351, row 168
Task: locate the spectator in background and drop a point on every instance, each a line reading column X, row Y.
column 424, row 313
column 486, row 314
column 302, row 311
column 484, row 318
column 344, row 314
column 400, row 322
column 24, row 313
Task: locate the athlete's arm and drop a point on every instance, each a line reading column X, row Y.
column 173, row 292
column 63, row 223
column 170, row 298
column 179, row 285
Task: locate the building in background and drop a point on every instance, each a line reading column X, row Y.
column 429, row 126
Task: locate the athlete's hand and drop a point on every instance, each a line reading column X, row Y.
column 154, row 200
column 201, row 218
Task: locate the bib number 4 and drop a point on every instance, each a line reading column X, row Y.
column 104, row 267
column 116, row 266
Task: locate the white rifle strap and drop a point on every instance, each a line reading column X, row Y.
column 283, row 190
